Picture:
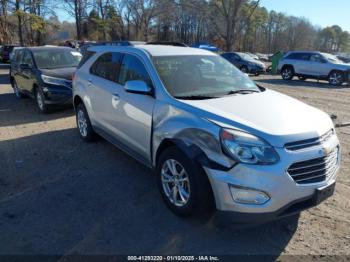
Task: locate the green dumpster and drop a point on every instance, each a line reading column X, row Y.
column 275, row 59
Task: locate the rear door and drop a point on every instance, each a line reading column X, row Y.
column 26, row 74
column 301, row 63
column 318, row 66
column 15, row 66
column 103, row 89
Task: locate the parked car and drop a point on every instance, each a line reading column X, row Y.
column 5, row 52
column 210, row 133
column 245, row 63
column 263, row 57
column 44, row 73
column 344, row 59
column 314, row 65
column 255, row 57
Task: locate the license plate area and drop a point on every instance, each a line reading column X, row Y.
column 322, row 194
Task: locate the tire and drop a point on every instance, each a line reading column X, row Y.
column 287, row 73
column 40, row 101
column 244, row 69
column 193, row 194
column 336, row 78
column 18, row 93
column 302, row 78
column 84, row 126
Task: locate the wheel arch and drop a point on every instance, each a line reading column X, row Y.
column 77, row 100
column 192, row 151
column 287, row 65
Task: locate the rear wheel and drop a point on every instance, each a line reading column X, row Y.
column 83, row 123
column 183, row 184
column 18, row 93
column 40, row 101
column 287, row 73
column 336, row 78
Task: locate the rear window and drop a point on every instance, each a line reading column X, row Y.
column 299, row 56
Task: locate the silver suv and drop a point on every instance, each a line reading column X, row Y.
column 314, row 65
column 213, row 137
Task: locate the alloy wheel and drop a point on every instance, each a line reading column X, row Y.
column 287, row 73
column 335, row 78
column 175, row 182
column 40, row 100
column 82, row 123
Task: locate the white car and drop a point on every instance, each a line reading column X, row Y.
column 212, row 136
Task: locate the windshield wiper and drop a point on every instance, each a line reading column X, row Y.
column 196, row 97
column 242, row 91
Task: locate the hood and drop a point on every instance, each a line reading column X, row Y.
column 271, row 115
column 65, row 73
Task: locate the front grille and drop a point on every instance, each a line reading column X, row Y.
column 293, row 146
column 314, row 170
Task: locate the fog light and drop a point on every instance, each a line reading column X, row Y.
column 248, row 196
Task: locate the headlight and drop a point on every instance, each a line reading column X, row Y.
column 246, row 148
column 56, row 81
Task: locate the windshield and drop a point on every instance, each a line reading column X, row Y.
column 332, row 58
column 50, row 59
column 206, row 76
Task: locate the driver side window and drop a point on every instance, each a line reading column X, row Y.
column 133, row 69
column 27, row 59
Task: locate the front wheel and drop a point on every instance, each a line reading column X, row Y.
column 183, row 185
column 40, row 101
column 336, row 78
column 244, row 69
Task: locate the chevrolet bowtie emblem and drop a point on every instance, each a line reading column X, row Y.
column 326, row 151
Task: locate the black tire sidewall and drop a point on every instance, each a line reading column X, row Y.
column 199, row 188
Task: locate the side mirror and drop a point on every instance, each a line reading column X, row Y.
column 137, row 87
column 25, row 66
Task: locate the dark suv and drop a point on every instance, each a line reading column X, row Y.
column 245, row 63
column 44, row 73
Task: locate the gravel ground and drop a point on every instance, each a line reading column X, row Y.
column 59, row 195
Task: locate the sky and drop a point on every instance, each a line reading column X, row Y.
column 319, row 12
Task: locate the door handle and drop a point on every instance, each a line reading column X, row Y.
column 115, row 100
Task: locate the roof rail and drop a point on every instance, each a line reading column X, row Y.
column 167, row 43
